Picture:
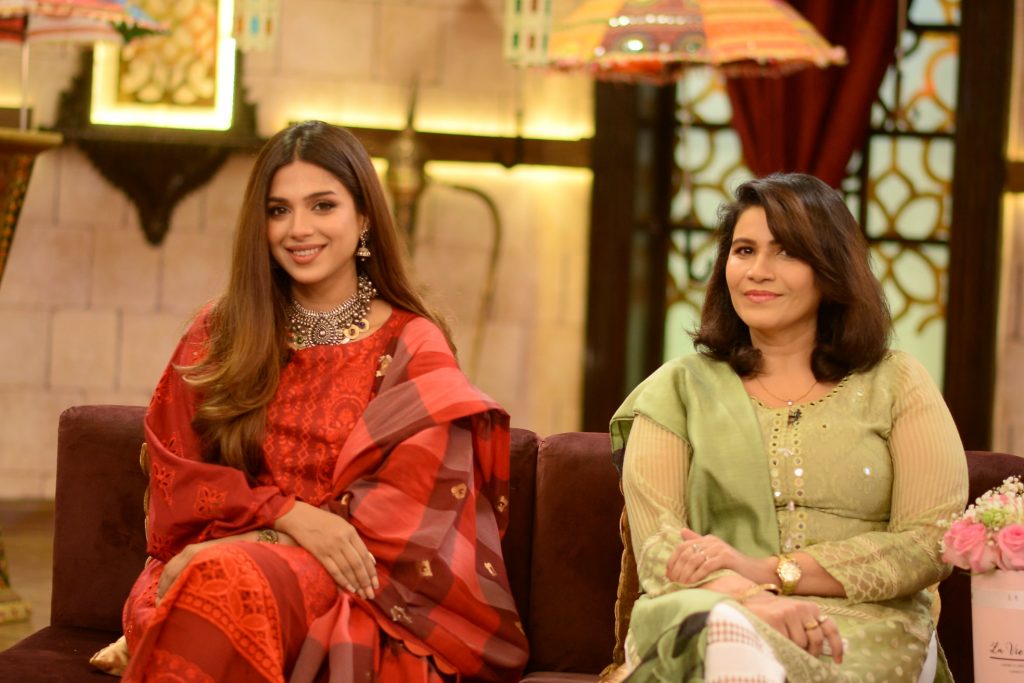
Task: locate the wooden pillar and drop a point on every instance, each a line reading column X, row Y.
column 632, row 161
column 979, row 178
column 613, row 160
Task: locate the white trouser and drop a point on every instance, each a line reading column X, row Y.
column 735, row 650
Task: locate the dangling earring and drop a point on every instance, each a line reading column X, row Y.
column 363, row 251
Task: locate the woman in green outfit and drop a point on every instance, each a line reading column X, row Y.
column 785, row 485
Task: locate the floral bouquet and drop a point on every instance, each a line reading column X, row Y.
column 990, row 533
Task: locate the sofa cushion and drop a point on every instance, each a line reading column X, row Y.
column 576, row 551
column 55, row 654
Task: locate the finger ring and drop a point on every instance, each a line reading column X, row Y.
column 696, row 548
column 811, row 625
column 822, row 618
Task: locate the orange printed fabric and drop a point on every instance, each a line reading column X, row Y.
column 386, row 432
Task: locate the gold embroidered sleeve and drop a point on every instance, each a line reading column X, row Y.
column 929, row 485
column 654, row 485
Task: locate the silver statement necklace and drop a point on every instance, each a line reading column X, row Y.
column 337, row 326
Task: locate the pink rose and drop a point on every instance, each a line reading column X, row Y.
column 950, row 553
column 967, row 547
column 1010, row 541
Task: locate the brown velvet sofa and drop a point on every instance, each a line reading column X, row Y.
column 562, row 550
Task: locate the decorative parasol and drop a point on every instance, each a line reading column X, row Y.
column 31, row 21
column 655, row 40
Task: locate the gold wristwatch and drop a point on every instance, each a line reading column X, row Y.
column 789, row 573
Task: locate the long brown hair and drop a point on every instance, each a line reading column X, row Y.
column 248, row 326
column 811, row 222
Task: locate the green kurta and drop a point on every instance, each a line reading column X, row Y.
column 859, row 481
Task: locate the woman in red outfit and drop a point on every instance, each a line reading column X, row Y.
column 327, row 490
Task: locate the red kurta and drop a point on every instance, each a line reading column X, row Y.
column 386, row 432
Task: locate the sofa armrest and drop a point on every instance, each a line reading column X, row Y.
column 99, row 537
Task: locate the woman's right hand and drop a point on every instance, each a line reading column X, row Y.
column 335, row 543
column 799, row 620
column 174, row 567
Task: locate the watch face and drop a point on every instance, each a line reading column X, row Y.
column 789, row 571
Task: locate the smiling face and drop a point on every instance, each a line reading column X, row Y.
column 313, row 230
column 771, row 291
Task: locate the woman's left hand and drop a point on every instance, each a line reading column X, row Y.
column 697, row 556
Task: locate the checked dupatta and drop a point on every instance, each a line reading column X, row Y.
column 428, row 418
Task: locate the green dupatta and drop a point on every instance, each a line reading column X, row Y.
column 703, row 402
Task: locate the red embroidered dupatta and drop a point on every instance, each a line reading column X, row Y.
column 423, row 476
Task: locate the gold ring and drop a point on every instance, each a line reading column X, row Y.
column 811, row 625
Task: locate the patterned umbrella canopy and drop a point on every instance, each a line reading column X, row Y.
column 654, row 40
column 83, row 20
column 29, row 21
column 100, row 10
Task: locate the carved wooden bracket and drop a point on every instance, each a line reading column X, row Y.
column 18, row 150
column 155, row 167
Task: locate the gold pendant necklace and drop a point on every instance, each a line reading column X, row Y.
column 789, row 402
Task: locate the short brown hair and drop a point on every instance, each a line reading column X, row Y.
column 811, row 222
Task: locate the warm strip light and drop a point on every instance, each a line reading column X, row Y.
column 1015, row 138
column 467, row 171
column 106, row 109
column 425, row 124
column 10, row 92
column 534, row 131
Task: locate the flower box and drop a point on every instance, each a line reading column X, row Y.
column 988, row 540
column 997, row 620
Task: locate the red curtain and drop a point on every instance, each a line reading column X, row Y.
column 813, row 120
